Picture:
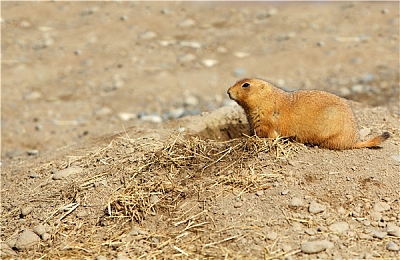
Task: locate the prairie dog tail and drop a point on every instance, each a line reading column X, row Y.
column 377, row 140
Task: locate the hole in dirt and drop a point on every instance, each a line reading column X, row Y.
column 223, row 124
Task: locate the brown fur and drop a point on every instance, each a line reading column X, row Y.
column 308, row 116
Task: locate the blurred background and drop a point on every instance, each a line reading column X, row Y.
column 74, row 71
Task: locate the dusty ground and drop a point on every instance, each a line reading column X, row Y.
column 96, row 87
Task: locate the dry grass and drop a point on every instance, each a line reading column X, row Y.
column 130, row 180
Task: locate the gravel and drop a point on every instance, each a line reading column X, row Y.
column 296, row 202
column 381, row 206
column 392, row 230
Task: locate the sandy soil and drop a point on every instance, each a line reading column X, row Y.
column 98, row 87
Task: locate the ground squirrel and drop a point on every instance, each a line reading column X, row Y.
column 308, row 116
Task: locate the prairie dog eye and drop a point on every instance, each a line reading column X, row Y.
column 245, row 85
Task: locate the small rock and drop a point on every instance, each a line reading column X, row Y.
column 6, row 251
column 187, row 23
column 286, row 247
column 124, row 18
column 176, row 113
column 296, row 202
column 26, row 211
column 67, row 172
column 259, row 192
column 377, row 234
column 358, row 88
column 284, row 192
column 364, row 132
column 365, row 236
column 385, row 11
column 154, row 199
column 391, row 246
column 339, row 227
column 309, row 231
column 239, row 72
column 320, row 43
column 32, row 152
column 316, row 207
column 101, row 257
column 209, row 62
column 189, row 57
column 124, row 116
column 26, row 240
column 367, row 77
column 396, row 157
column 39, row 229
column 238, row 205
column 272, row 236
column 104, row 111
column 77, row 52
column 315, row 246
column 381, row 206
column 151, row 118
column 122, row 257
column 33, row 95
column 375, row 216
column 191, row 101
column 45, row 236
column 393, row 230
column 194, row 45
column 240, row 54
column 137, row 231
column 148, row 35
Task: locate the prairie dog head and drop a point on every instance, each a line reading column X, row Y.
column 248, row 93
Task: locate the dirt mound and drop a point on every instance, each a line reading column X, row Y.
column 168, row 193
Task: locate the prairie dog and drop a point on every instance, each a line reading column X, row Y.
column 308, row 116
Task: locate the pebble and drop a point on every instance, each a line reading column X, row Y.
column 259, row 192
column 381, row 206
column 392, row 230
column 191, row 101
column 67, row 172
column 6, row 250
column 26, row 239
column 367, row 77
column 375, row 216
column 209, row 62
column 45, row 236
column 175, row 113
column 358, row 88
column 316, row 207
column 239, row 72
column 240, row 54
column 151, row 118
column 101, row 257
column 272, row 235
column 26, row 211
column 396, row 157
column 315, row 246
column 391, row 246
column 364, row 132
column 238, row 205
column 339, row 227
column 377, row 234
column 122, row 257
column 194, row 45
column 189, row 57
column 296, row 202
column 187, row 23
column 125, row 116
column 137, row 231
column 32, row 152
column 33, row 95
column 284, row 192
column 148, row 35
column 104, row 111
